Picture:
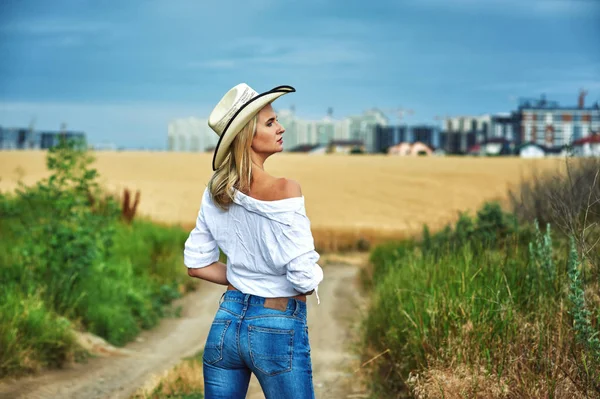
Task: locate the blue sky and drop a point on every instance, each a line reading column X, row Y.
column 120, row 70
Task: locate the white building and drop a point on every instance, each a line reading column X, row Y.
column 191, row 134
column 531, row 150
column 546, row 123
column 194, row 134
column 463, row 132
column 301, row 131
column 588, row 146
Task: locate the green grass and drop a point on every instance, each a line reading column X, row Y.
column 475, row 296
column 69, row 261
column 120, row 295
column 31, row 335
column 184, row 381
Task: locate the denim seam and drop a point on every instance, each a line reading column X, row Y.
column 233, row 300
column 291, row 356
column 237, row 338
column 272, row 330
column 273, row 315
column 226, row 323
column 229, row 311
column 242, row 316
column 296, row 307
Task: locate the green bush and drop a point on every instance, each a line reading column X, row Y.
column 490, row 226
column 582, row 316
column 64, row 235
column 569, row 200
column 487, row 294
column 66, row 255
column 31, row 335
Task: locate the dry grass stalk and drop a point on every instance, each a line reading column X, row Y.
column 128, row 209
column 569, row 201
column 184, row 379
column 456, row 383
column 460, row 381
column 447, row 375
column 354, row 239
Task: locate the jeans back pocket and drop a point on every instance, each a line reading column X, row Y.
column 271, row 349
column 213, row 350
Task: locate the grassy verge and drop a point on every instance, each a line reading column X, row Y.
column 184, row 381
column 69, row 260
column 484, row 309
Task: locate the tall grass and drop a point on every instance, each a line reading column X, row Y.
column 31, row 335
column 481, row 309
column 569, row 201
column 183, row 381
column 68, row 261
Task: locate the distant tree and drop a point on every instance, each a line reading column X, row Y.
column 356, row 150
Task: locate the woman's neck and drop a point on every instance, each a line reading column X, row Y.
column 258, row 160
column 259, row 166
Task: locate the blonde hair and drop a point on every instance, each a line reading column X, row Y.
column 236, row 170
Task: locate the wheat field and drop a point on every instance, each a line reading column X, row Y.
column 347, row 197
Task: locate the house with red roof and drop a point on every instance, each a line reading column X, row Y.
column 588, row 146
column 410, row 149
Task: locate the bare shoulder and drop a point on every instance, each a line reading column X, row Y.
column 288, row 188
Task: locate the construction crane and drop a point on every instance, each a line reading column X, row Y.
column 581, row 99
column 399, row 112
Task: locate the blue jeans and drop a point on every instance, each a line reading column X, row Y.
column 246, row 337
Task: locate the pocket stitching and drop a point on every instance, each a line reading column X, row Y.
column 287, row 357
column 219, row 347
column 283, row 315
column 228, row 311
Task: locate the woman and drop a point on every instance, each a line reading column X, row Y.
column 259, row 222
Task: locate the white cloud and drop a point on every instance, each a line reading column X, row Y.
column 556, row 6
column 212, row 64
column 287, row 52
column 532, row 88
column 52, row 32
column 576, row 70
column 42, row 27
column 528, row 7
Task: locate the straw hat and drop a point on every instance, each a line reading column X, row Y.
column 234, row 111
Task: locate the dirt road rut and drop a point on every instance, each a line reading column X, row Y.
column 332, row 328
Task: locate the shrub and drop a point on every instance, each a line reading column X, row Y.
column 581, row 315
column 31, row 335
column 540, row 252
column 67, row 254
column 65, row 237
column 570, row 201
column 485, row 297
column 490, row 226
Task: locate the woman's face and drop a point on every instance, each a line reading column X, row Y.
column 269, row 133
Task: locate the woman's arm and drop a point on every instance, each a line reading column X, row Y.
column 215, row 273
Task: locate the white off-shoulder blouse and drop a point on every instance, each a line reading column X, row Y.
column 269, row 245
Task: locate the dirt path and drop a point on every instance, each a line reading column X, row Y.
column 332, row 331
column 120, row 372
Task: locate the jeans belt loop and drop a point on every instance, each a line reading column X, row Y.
column 297, row 307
